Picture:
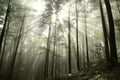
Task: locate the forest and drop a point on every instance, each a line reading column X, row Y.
column 59, row 39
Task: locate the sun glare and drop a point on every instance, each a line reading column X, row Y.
column 63, row 14
column 53, row 17
column 1, row 26
column 38, row 6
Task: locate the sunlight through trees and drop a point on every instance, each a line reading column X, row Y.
column 59, row 39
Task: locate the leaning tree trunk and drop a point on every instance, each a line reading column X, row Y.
column 5, row 23
column 105, row 33
column 4, row 44
column 112, row 40
column 16, row 49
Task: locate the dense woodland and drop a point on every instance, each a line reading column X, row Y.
column 59, row 39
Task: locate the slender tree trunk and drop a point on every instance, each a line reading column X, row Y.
column 86, row 37
column 69, row 42
column 60, row 59
column 47, row 53
column 105, row 33
column 66, row 50
column 83, row 48
column 53, row 60
column 112, row 41
column 4, row 45
column 16, row 49
column 78, row 62
column 5, row 23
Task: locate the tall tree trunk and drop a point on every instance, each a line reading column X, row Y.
column 105, row 33
column 112, row 41
column 78, row 62
column 60, row 59
column 83, row 51
column 4, row 44
column 16, row 49
column 5, row 23
column 47, row 53
column 54, row 50
column 66, row 50
column 69, row 41
column 86, row 37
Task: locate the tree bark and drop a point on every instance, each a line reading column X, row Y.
column 16, row 49
column 4, row 44
column 86, row 37
column 54, row 50
column 78, row 62
column 47, row 53
column 5, row 23
column 105, row 33
column 112, row 41
column 69, row 42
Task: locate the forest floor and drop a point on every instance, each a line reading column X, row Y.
column 99, row 71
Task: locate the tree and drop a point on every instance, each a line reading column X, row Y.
column 16, row 48
column 86, row 37
column 4, row 44
column 112, row 41
column 78, row 62
column 47, row 53
column 105, row 33
column 54, row 50
column 5, row 23
column 69, row 42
